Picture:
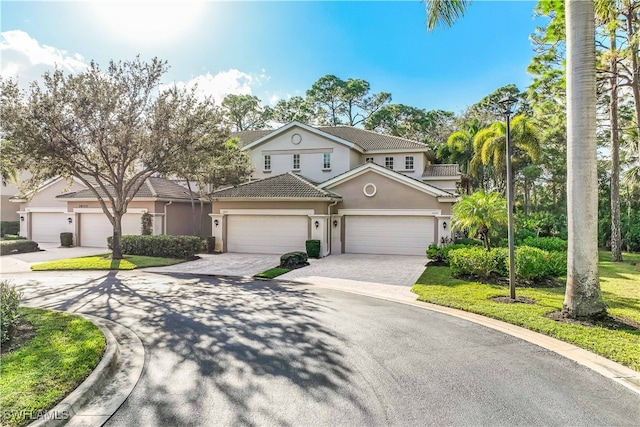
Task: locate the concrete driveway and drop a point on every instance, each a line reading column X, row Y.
column 360, row 270
column 21, row 263
column 226, row 264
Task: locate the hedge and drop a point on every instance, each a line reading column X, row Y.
column 8, row 247
column 9, row 227
column 313, row 248
column 163, row 246
column 292, row 260
column 66, row 239
column 550, row 244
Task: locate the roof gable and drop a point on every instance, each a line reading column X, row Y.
column 285, row 186
column 152, row 188
column 376, row 168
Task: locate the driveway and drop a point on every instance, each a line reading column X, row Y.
column 21, row 263
column 360, row 270
column 228, row 351
column 225, row 264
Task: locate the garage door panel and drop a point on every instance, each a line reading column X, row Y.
column 266, row 234
column 47, row 226
column 392, row 235
column 96, row 227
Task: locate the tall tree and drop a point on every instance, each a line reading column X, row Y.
column 109, row 128
column 243, row 112
column 296, row 108
column 583, row 297
column 8, row 165
column 480, row 214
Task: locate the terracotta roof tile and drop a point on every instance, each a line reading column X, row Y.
column 153, row 188
column 441, row 170
column 287, row 185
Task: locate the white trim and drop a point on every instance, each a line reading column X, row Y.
column 449, row 199
column 99, row 210
column 273, row 199
column 372, row 193
column 287, row 212
column 50, row 210
column 397, row 176
column 443, row 178
column 391, row 212
column 308, row 129
column 297, row 151
column 398, row 150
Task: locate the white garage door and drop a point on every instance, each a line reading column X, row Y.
column 266, row 234
column 47, row 226
column 392, row 235
column 95, row 228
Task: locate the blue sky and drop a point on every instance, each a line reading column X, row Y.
column 275, row 50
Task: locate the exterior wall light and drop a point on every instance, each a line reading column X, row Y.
column 444, row 225
column 22, row 218
column 69, row 220
column 335, row 222
column 216, row 222
column 317, row 224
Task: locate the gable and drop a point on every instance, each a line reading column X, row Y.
column 46, row 195
column 373, row 190
column 296, row 136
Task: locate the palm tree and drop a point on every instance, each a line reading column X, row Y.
column 582, row 297
column 480, row 213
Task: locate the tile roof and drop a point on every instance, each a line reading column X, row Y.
column 153, row 188
column 441, row 170
column 366, row 139
column 287, row 185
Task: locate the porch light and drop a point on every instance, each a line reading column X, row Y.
column 216, row 222
column 69, row 220
column 21, row 218
column 317, row 224
column 444, row 225
column 335, row 222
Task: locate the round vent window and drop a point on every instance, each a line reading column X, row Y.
column 296, row 138
column 369, row 190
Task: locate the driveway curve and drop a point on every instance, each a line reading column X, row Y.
column 221, row 351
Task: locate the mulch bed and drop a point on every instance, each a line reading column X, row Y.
column 22, row 333
column 508, row 300
column 608, row 322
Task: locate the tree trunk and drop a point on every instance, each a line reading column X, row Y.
column 635, row 68
column 193, row 208
column 117, row 236
column 582, row 297
column 616, row 238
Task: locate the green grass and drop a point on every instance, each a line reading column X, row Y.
column 273, row 272
column 12, row 237
column 620, row 289
column 40, row 373
column 104, row 262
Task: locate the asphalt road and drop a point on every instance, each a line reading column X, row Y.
column 234, row 352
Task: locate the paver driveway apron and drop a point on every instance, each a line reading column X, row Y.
column 399, row 270
column 226, row 264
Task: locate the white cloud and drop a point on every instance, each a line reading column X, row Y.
column 222, row 84
column 274, row 99
column 25, row 59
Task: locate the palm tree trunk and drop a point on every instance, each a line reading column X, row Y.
column 616, row 238
column 582, row 297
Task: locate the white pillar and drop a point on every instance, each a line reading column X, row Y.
column 319, row 231
column 443, row 235
column 25, row 219
column 218, row 224
column 336, row 234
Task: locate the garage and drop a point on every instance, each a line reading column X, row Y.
column 95, row 228
column 388, row 234
column 47, row 226
column 263, row 234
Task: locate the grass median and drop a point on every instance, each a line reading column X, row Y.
column 59, row 351
column 104, row 262
column 620, row 291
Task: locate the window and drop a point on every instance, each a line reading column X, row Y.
column 408, row 163
column 267, row 163
column 368, row 159
column 296, row 162
column 326, row 161
column 388, row 162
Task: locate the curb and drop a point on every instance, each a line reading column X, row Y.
column 64, row 411
column 621, row 374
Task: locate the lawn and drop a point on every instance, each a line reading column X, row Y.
column 42, row 371
column 273, row 272
column 104, row 262
column 620, row 284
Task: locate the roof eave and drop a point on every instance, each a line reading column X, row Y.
column 271, row 199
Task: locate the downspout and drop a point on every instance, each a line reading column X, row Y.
column 329, row 227
column 165, row 217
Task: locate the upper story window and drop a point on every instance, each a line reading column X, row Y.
column 326, row 161
column 388, row 162
column 296, row 162
column 408, row 163
column 267, row 163
column 368, row 159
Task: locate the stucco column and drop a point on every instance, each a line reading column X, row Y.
column 73, row 227
column 157, row 224
column 218, row 224
column 443, row 235
column 319, row 231
column 25, row 220
column 336, row 234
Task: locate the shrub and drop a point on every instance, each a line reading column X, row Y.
column 531, row 263
column 468, row 241
column 8, row 247
column 66, row 239
column 163, row 246
column 9, row 227
column 549, row 244
column 441, row 253
column 433, row 252
column 313, row 248
column 293, row 260
column 477, row 262
column 211, row 244
column 146, row 226
column 557, row 263
column 9, row 301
